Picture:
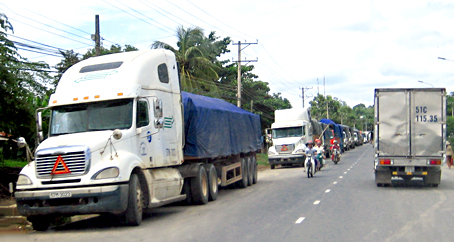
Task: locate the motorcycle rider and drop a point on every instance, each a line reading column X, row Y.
column 335, row 146
column 320, row 152
column 311, row 150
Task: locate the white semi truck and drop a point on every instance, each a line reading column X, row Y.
column 410, row 134
column 291, row 130
column 123, row 138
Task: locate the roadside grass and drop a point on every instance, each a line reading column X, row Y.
column 262, row 159
column 13, row 163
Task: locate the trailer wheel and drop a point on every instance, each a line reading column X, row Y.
column 244, row 173
column 39, row 223
column 250, row 171
column 256, row 170
column 199, row 187
column 213, row 183
column 133, row 215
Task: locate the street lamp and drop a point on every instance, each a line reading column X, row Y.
column 427, row 82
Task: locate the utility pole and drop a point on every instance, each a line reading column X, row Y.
column 302, row 89
column 239, row 69
column 97, row 37
column 326, row 99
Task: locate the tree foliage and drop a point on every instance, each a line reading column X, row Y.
column 203, row 73
column 359, row 116
column 22, row 83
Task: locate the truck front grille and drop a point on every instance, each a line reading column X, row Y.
column 53, row 164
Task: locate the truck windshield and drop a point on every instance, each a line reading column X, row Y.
column 288, row 132
column 105, row 115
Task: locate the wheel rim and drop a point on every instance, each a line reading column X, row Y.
column 214, row 185
column 204, row 185
column 139, row 198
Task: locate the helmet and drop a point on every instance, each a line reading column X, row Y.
column 318, row 141
column 448, row 143
column 335, row 141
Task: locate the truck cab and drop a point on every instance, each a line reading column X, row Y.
column 290, row 133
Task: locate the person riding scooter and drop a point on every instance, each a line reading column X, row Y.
column 335, row 148
column 311, row 150
column 320, row 153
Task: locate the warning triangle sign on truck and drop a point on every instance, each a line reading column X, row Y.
column 63, row 169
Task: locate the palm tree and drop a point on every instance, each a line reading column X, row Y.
column 198, row 73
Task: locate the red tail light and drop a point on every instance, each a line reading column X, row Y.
column 435, row 162
column 385, row 162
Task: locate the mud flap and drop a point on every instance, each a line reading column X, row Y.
column 433, row 178
column 382, row 177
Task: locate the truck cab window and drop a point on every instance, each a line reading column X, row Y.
column 163, row 73
column 96, row 116
column 142, row 113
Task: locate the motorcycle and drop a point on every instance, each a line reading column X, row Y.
column 310, row 166
column 335, row 157
column 321, row 161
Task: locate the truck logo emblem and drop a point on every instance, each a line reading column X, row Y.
column 65, row 169
column 284, row 148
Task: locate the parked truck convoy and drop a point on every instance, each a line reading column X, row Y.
column 410, row 134
column 291, row 131
column 123, row 137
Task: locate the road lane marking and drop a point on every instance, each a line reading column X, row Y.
column 317, row 202
column 341, row 177
column 334, row 183
column 345, row 172
column 348, row 169
column 300, row 220
column 327, row 190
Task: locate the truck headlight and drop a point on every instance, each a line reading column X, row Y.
column 110, row 172
column 23, row 180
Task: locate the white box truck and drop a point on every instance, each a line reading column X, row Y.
column 291, row 130
column 410, row 134
column 123, row 138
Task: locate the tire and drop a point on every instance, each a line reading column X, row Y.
column 199, row 187
column 244, row 173
column 39, row 223
column 250, row 171
column 134, row 211
column 212, row 183
column 273, row 166
column 256, row 170
column 309, row 171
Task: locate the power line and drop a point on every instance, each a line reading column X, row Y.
column 218, row 19
column 136, row 16
column 50, row 32
column 65, row 24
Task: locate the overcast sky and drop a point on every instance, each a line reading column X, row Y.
column 354, row 45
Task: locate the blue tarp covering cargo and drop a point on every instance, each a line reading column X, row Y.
column 337, row 130
column 216, row 128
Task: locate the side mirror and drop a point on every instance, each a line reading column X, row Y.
column 157, row 106
column 39, row 126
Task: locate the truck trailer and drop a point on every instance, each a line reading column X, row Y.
column 410, row 134
column 123, row 138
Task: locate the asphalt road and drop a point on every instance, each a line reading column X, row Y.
column 341, row 203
